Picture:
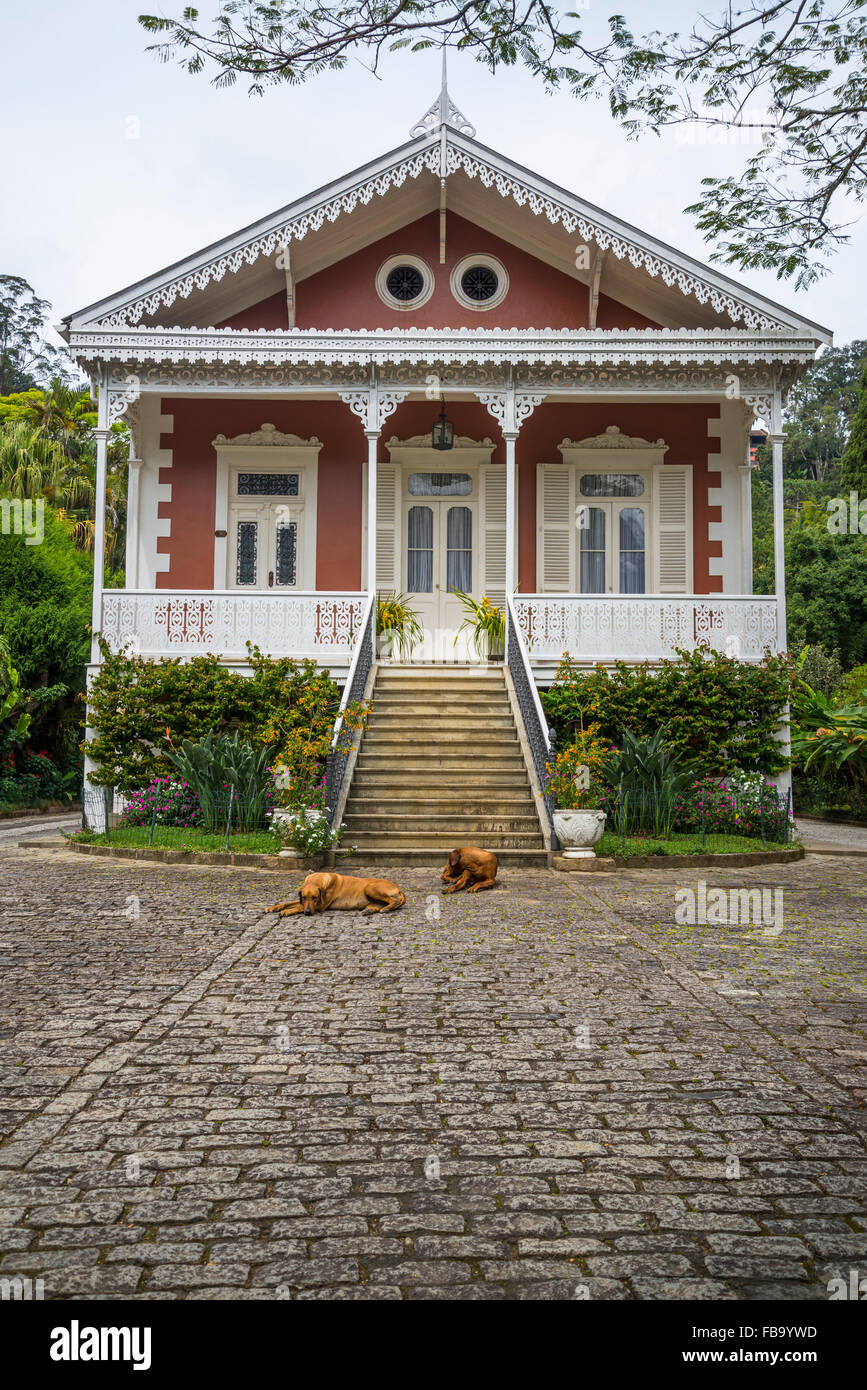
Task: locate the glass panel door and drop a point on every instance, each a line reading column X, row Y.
column 419, row 550
column 592, row 550
column 632, row 550
column 459, row 549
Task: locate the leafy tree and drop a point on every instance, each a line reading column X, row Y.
column 820, row 410
column 25, row 356
column 792, row 73
column 45, row 601
column 853, row 473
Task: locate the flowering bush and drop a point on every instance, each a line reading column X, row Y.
column 716, row 710
column 574, row 778
column 175, row 803
column 745, row 804
column 306, row 829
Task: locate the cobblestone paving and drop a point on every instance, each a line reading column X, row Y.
column 205, row 1101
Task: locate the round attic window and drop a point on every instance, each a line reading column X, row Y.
column 480, row 282
column 404, row 282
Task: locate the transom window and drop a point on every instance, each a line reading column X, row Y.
column 611, row 485
column 440, row 485
column 268, row 484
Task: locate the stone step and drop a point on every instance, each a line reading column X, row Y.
column 388, row 859
column 490, row 823
column 451, row 695
column 441, row 839
column 390, row 719
column 408, row 801
column 464, row 743
column 423, row 687
column 383, row 778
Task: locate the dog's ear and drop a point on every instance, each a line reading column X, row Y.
column 300, row 894
column 454, row 859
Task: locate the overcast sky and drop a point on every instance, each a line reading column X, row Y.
column 89, row 210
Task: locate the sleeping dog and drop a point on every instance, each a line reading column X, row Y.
column 475, row 867
column 323, row 892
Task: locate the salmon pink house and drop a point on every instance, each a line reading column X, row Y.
column 284, row 387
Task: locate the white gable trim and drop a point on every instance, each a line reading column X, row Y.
column 464, row 154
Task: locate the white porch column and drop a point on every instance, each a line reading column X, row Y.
column 510, row 437
column 777, row 437
column 101, row 434
column 510, row 408
column 372, row 447
column 133, row 506
column 746, row 476
column 373, row 405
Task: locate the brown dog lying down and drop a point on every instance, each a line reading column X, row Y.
column 323, row 892
column 470, row 866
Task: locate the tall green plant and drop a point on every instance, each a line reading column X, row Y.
column 218, row 766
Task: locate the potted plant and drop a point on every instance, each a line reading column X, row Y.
column 575, row 786
column 487, row 624
column 397, row 626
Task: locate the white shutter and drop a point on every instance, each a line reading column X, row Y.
column 387, row 529
column 673, row 538
column 492, row 534
column 555, row 547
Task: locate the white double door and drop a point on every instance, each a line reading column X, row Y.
column 612, row 547
column 441, row 556
column 264, row 546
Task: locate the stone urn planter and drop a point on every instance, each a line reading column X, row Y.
column 578, row 832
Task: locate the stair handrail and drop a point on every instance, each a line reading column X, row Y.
column 354, row 687
column 540, row 737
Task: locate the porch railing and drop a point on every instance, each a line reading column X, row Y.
column 539, row 736
column 172, row 622
column 646, row 627
column 356, row 682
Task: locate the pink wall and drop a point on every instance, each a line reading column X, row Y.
column 338, row 551
column 344, row 295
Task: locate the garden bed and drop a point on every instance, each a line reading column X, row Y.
column 182, row 838
column 612, row 846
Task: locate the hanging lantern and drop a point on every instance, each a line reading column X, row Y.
column 443, row 432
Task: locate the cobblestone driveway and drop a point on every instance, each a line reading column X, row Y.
column 205, row 1101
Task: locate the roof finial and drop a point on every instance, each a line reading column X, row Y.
column 442, row 112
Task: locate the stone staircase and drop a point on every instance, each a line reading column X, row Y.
column 440, row 765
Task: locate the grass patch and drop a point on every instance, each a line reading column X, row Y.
column 611, row 845
column 175, row 837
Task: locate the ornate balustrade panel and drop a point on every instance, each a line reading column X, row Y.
column 608, row 627
column 172, row 623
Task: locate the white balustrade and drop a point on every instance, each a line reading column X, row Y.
column 606, row 627
column 166, row 622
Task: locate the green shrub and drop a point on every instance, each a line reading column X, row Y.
column 138, row 709
column 720, row 713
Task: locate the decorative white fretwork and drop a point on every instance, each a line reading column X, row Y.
column 522, row 189
column 601, row 627
column 442, row 112
column 759, row 403
column 267, row 435
column 510, row 409
column 373, row 407
column 612, row 439
column 171, row 623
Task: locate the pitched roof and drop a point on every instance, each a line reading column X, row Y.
column 399, row 186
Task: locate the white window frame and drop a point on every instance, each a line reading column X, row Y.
column 479, row 306
column 580, row 460
column 405, row 306
column 301, row 458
